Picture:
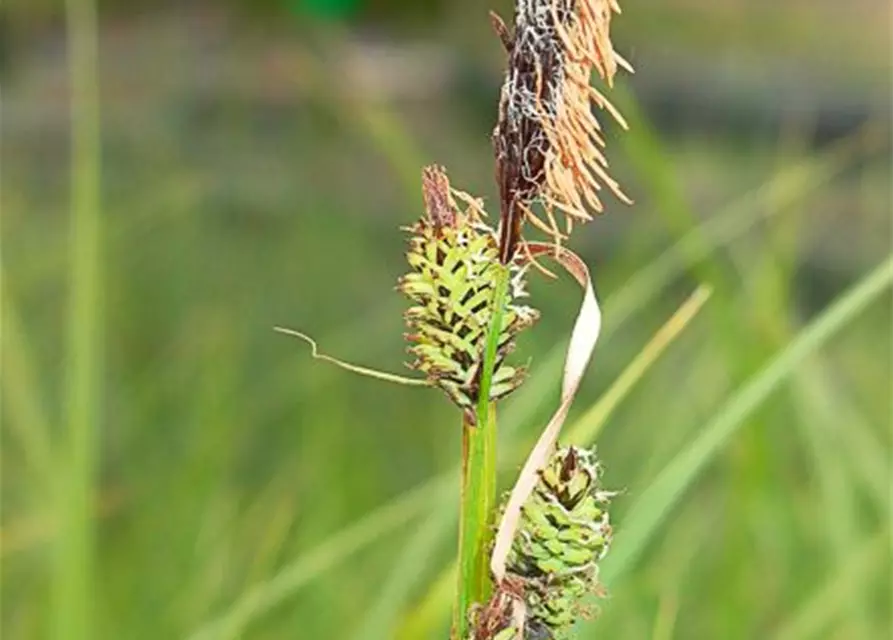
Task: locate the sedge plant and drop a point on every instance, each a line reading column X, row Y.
column 523, row 568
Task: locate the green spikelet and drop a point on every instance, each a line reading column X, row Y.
column 563, row 533
column 454, row 260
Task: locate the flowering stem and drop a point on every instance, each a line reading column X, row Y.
column 478, row 497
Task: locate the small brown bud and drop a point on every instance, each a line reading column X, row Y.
column 436, row 194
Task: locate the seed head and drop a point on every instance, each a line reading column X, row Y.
column 548, row 142
column 563, row 533
column 454, row 264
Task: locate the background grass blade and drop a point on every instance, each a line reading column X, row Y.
column 839, row 489
column 27, row 419
column 427, row 619
column 790, row 185
column 813, row 618
column 404, row 580
column 266, row 595
column 585, row 429
column 74, row 579
column 655, row 503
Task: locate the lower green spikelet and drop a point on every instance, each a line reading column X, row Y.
column 563, row 533
column 455, row 265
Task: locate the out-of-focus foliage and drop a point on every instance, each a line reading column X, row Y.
column 255, row 173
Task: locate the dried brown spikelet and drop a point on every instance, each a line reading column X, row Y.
column 548, row 142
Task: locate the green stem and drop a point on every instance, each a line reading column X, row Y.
column 478, row 497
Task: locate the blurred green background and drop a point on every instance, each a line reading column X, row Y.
column 257, row 161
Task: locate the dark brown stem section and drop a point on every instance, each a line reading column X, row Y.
column 509, row 230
